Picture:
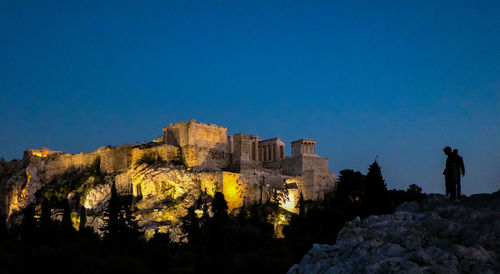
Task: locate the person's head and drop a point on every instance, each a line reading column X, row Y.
column 455, row 152
column 447, row 150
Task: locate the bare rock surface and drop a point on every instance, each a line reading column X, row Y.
column 433, row 236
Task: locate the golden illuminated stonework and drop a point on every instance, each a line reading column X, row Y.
column 164, row 177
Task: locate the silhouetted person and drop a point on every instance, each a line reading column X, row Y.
column 460, row 170
column 450, row 173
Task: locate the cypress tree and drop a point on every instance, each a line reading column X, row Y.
column 45, row 220
column 66, row 220
column 375, row 179
column 112, row 214
column 376, row 190
column 242, row 215
column 29, row 226
column 3, row 227
column 130, row 227
column 205, row 217
column 219, row 206
column 219, row 236
column 83, row 219
column 302, row 206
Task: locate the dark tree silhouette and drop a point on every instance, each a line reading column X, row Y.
column 128, row 229
column 243, row 214
column 219, row 206
column 45, row 218
column 302, row 205
column 414, row 192
column 205, row 217
column 376, row 191
column 375, row 180
column 351, row 187
column 3, row 227
column 190, row 224
column 83, row 219
column 66, row 220
column 218, row 232
column 29, row 224
column 414, row 188
column 112, row 214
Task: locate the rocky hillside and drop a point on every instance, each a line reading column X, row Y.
column 162, row 192
column 434, row 236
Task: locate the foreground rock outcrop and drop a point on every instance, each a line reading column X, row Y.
column 433, row 236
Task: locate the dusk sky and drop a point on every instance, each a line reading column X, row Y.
column 394, row 79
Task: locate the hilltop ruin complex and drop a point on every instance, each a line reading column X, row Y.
column 165, row 176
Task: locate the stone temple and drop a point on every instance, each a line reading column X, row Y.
column 262, row 164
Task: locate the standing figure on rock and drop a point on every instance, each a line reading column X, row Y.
column 450, row 174
column 460, row 170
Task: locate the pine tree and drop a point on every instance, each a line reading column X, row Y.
column 376, row 190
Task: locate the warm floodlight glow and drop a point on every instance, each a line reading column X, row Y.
column 232, row 189
column 290, row 204
column 40, row 154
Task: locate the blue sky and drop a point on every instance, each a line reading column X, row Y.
column 394, row 79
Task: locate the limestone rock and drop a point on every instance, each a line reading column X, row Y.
column 434, row 236
column 97, row 198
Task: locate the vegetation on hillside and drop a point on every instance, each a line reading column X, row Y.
column 216, row 241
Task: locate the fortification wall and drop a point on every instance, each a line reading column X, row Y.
column 292, row 166
column 191, row 133
column 111, row 159
column 314, row 163
column 114, row 159
column 203, row 158
column 164, row 153
column 56, row 164
column 210, row 136
column 297, row 165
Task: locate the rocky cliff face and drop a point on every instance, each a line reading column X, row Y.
column 159, row 189
column 161, row 192
column 434, row 236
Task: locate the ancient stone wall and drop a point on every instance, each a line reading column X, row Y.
column 292, row 166
column 315, row 177
column 296, row 165
column 164, row 153
column 196, row 134
column 114, row 159
column 205, row 159
column 57, row 164
column 207, row 152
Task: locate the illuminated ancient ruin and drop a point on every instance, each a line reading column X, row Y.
column 166, row 176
